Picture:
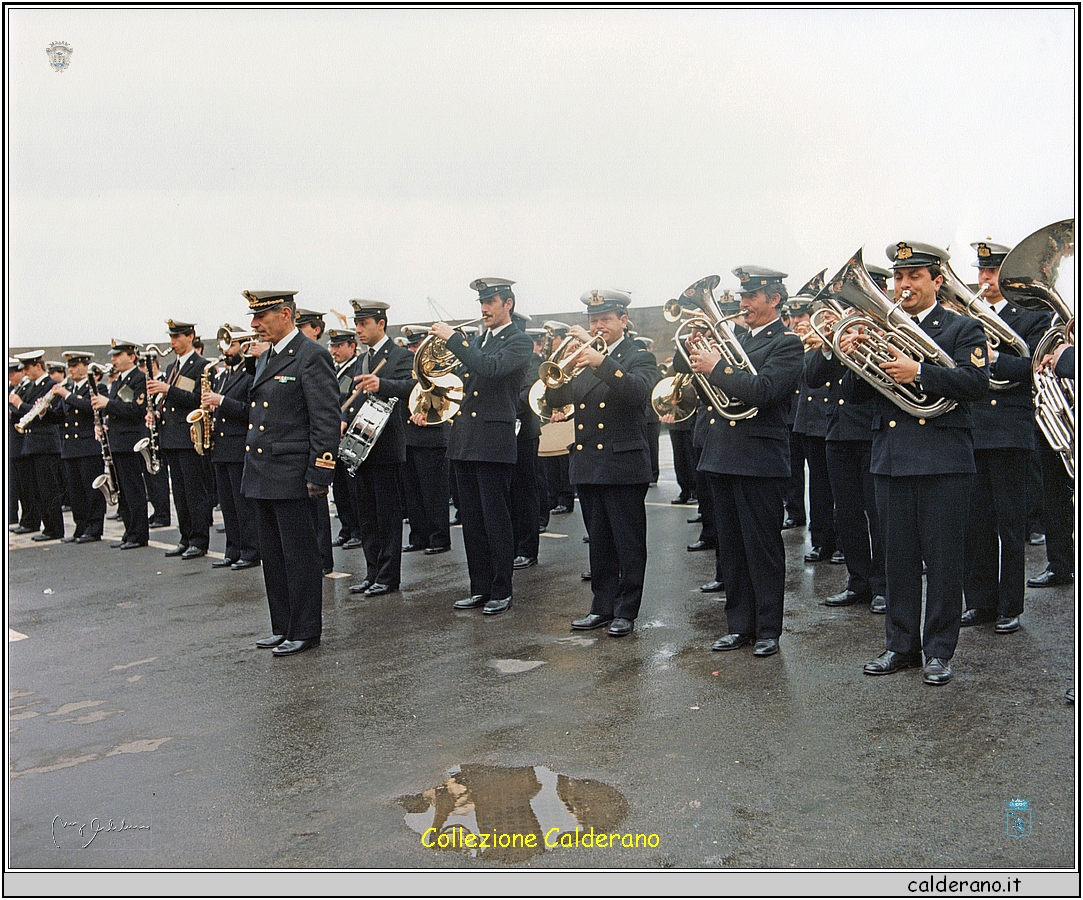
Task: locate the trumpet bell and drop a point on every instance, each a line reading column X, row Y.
column 439, row 403
column 536, row 399
column 672, row 310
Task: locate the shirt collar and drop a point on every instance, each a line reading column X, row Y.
column 924, row 314
column 496, row 331
column 998, row 307
column 80, row 383
column 181, row 360
column 380, row 343
column 613, row 347
column 281, row 345
column 754, row 331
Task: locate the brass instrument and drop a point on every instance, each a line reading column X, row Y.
column 438, row 391
column 559, row 368
column 956, row 296
column 714, row 333
column 108, row 481
column 1028, row 277
column 36, row 410
column 148, row 447
column 887, row 327
column 227, row 335
column 202, row 430
column 810, row 340
column 536, row 395
column 674, row 396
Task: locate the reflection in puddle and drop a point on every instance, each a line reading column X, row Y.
column 510, row 814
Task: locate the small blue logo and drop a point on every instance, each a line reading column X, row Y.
column 1018, row 818
column 59, row 55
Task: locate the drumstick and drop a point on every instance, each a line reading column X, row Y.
column 360, row 391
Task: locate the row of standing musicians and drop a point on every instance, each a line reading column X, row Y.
column 863, row 465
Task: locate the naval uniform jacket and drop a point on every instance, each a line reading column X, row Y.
column 483, row 430
column 1005, row 419
column 174, row 432
column 812, row 404
column 758, row 446
column 396, row 380
column 845, row 421
column 293, row 423
column 126, row 411
column 611, row 402
column 41, row 436
column 231, row 417
column 75, row 417
column 903, row 444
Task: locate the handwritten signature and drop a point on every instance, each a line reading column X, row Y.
column 96, row 827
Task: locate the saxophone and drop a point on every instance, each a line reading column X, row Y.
column 202, row 430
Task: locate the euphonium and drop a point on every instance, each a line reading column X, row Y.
column 202, row 430
column 956, row 296
column 438, row 391
column 559, row 368
column 887, row 327
column 716, row 334
column 1028, row 277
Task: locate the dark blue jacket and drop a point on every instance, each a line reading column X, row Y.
column 174, row 432
column 396, row 380
column 75, row 417
column 41, row 436
column 845, row 421
column 231, row 417
column 126, row 411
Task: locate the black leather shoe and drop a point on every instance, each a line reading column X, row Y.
column 158, row 523
column 817, row 554
column 1048, row 578
column 1006, row 624
column 339, row 541
column 244, row 564
column 352, row 544
column 586, row 538
column 789, row 523
column 378, row 590
column 585, row 576
column 621, row 627
column 432, row 551
column 889, row 661
column 88, row 538
column 179, row 550
column 223, row 563
column 977, row 617
column 936, row 671
column 524, row 562
column 361, row 588
column 838, row 557
column 560, row 510
column 412, row 548
column 471, row 602
column 132, row 545
column 695, row 520
column 766, row 647
column 70, row 539
column 47, row 537
column 327, row 570
column 116, row 544
column 731, row 642
column 19, row 529
column 700, row 545
column 268, row 642
column 193, row 553
column 878, row 605
column 712, row 587
column 495, row 606
column 1036, row 539
column 288, row 647
column 846, row 598
column 680, row 501
column 591, row 621
column 456, row 521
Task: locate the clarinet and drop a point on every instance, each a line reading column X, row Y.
column 107, row 481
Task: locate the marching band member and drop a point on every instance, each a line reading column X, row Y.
column 747, row 463
column 610, row 461
column 15, row 446
column 923, row 470
column 293, row 436
column 125, row 412
column 310, row 323
column 377, row 495
column 482, row 447
column 524, row 481
column 342, row 345
column 156, row 483
column 40, row 449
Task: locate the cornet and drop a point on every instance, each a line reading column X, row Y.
column 560, row 368
column 227, row 335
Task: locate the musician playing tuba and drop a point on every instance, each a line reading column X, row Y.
column 923, row 468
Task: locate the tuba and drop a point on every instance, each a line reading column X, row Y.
column 706, row 317
column 888, row 327
column 438, row 391
column 956, row 296
column 202, row 430
column 1028, row 277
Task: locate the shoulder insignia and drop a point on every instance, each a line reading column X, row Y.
column 327, row 461
column 728, row 370
column 976, row 357
column 619, row 373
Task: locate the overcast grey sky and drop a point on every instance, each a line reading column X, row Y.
column 186, row 155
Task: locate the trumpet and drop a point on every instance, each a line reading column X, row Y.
column 560, row 368
column 438, row 391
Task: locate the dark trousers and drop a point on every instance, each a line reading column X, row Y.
column 346, row 505
column 190, row 497
column 821, row 504
column 748, row 519
column 13, row 493
column 685, row 458
column 561, row 492
column 133, row 497
column 291, row 567
column 856, row 522
column 485, row 509
column 654, row 432
column 524, row 499
column 87, row 503
column 1035, row 519
column 44, row 490
column 157, row 488
column 995, row 574
column 425, row 489
column 707, row 532
column 795, row 487
column 1058, row 511
column 616, row 519
column 920, row 518
column 319, row 514
column 379, row 516
column 238, row 514
column 28, row 496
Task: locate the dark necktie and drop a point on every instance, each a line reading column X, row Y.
column 271, row 354
column 366, row 361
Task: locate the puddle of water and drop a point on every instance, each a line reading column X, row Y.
column 515, row 666
column 510, row 814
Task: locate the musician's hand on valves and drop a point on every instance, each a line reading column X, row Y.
column 589, row 356
column 851, row 339
column 1049, row 361
column 667, row 419
column 903, row 369
column 704, row 359
column 99, row 401
column 315, row 491
column 442, row 330
column 370, row 383
column 211, row 399
column 991, row 352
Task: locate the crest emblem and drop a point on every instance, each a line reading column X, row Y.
column 59, row 55
column 1019, row 820
column 976, row 358
column 983, row 251
column 903, row 250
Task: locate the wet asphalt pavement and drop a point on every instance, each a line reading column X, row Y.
column 138, row 693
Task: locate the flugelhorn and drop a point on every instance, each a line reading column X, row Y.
column 227, row 335
column 560, row 367
column 1028, row 277
column 887, row 327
